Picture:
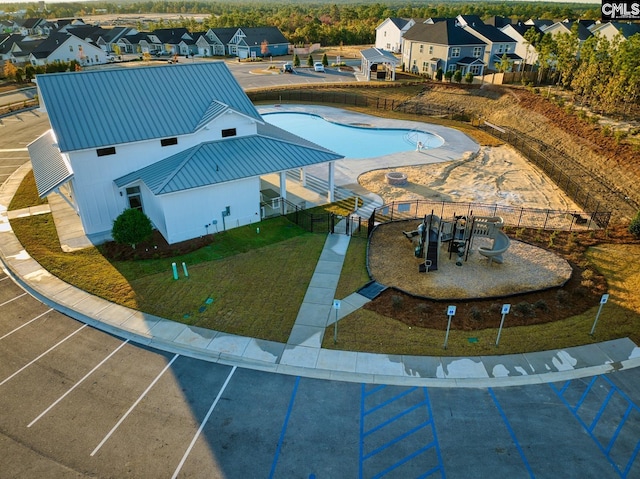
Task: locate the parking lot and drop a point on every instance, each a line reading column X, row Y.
column 78, row 402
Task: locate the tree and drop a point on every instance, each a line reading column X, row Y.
column 325, row 60
column 131, row 227
column 439, row 74
column 457, row 76
column 309, row 61
column 264, row 48
column 469, row 78
column 10, row 70
column 447, row 75
column 296, row 60
column 504, row 65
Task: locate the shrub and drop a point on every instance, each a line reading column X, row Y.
column 562, row 296
column 634, row 226
column 524, row 309
column 131, row 227
column 397, row 301
column 541, row 305
column 475, row 313
column 439, row 74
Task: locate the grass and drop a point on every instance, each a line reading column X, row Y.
column 27, row 194
column 354, row 275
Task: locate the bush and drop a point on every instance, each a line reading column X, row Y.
column 397, row 301
column 131, row 227
column 634, row 226
column 524, row 309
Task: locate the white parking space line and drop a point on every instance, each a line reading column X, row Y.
column 43, row 354
column 12, row 299
column 26, row 324
column 113, row 429
column 204, row 422
column 77, row 384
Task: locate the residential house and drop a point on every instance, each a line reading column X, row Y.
column 524, row 49
column 16, row 48
column 499, row 45
column 215, row 41
column 566, row 27
column 390, row 32
column 258, row 42
column 611, row 30
column 169, row 39
column 187, row 161
column 30, row 26
column 444, row 44
column 63, row 47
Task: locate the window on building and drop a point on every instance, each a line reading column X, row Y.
column 455, row 52
column 507, row 48
column 425, row 67
column 111, row 150
column 169, row 141
column 475, row 69
column 229, row 132
column 134, row 197
column 500, row 48
column 477, row 52
column 70, row 48
column 451, row 68
column 430, row 49
column 421, row 48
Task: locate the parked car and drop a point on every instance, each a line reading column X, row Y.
column 287, row 68
column 318, row 66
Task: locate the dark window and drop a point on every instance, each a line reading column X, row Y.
column 134, row 197
column 228, row 132
column 106, row 151
column 169, row 141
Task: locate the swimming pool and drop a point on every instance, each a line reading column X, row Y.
column 352, row 141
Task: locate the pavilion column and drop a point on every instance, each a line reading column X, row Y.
column 303, row 176
column 332, row 169
column 283, row 185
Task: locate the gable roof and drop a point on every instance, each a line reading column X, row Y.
column 442, row 33
column 123, row 105
column 256, row 35
column 229, row 159
column 224, row 34
column 49, row 167
column 491, row 33
column 50, row 45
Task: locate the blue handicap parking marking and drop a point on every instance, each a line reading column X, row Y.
column 397, row 433
column 609, row 416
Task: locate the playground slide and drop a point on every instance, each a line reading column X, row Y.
column 432, row 250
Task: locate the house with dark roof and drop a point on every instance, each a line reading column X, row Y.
column 215, row 42
column 187, row 161
column 16, row 48
column 499, row 45
column 390, row 32
column 611, row 30
column 524, row 49
column 250, row 42
column 444, row 44
column 64, row 47
column 566, row 27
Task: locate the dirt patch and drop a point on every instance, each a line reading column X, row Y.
column 156, row 248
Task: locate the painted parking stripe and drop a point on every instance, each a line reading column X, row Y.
column 606, row 449
column 204, row 422
column 284, row 428
column 77, row 384
column 401, row 407
column 511, row 433
column 133, row 406
column 43, row 354
column 26, row 324
column 13, row 299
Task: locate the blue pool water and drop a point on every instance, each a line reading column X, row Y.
column 352, row 141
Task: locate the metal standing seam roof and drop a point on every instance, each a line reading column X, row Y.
column 49, row 167
column 226, row 160
column 375, row 55
column 94, row 109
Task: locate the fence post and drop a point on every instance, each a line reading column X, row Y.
column 545, row 220
column 520, row 217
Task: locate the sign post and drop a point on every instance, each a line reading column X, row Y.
column 505, row 310
column 603, row 300
column 451, row 311
column 336, row 306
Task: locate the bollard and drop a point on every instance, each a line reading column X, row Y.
column 184, row 268
column 175, row 270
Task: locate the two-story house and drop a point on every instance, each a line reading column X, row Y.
column 499, row 45
column 65, row 48
column 443, row 44
column 524, row 48
column 611, row 30
column 186, row 160
column 390, row 32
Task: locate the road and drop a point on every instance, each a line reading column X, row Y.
column 77, row 402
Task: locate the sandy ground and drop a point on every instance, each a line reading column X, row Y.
column 496, row 175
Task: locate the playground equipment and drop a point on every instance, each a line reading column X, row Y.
column 501, row 244
column 459, row 234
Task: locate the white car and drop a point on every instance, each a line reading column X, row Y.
column 318, row 66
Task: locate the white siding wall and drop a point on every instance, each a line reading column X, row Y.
column 99, row 199
column 87, row 55
column 187, row 212
column 388, row 37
